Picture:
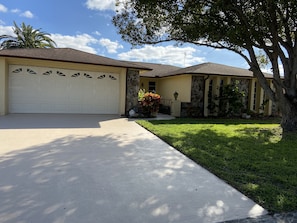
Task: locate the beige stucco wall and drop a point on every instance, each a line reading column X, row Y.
column 166, row 86
column 5, row 62
column 144, row 83
column 122, row 106
column 3, row 87
column 64, row 65
column 181, row 84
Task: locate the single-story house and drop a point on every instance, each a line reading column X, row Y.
column 196, row 86
column 64, row 80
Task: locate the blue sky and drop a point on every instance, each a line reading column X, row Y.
column 86, row 25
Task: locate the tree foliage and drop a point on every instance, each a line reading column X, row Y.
column 26, row 37
column 242, row 26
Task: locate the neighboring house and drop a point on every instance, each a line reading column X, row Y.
column 197, row 85
column 64, row 80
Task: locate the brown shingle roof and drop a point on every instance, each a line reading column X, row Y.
column 215, row 69
column 157, row 70
column 161, row 70
column 67, row 55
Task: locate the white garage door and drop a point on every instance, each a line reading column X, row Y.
column 49, row 90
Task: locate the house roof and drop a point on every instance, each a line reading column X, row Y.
column 213, row 68
column 160, row 70
column 68, row 55
column 157, row 70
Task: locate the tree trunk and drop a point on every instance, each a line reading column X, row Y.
column 288, row 109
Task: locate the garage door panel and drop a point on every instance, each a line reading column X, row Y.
column 49, row 90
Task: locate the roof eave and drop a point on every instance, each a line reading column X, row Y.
column 208, row 74
column 77, row 62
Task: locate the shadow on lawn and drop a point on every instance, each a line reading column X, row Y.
column 262, row 168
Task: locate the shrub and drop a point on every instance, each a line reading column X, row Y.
column 150, row 103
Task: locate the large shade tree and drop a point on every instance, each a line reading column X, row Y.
column 242, row 26
column 26, row 37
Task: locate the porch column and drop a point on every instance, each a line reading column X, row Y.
column 228, row 81
column 268, row 107
column 251, row 97
column 260, row 100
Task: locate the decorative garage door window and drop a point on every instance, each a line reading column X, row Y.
column 53, row 90
column 22, row 70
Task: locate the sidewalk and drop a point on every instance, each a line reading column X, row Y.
column 290, row 217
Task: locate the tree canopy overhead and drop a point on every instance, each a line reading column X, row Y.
column 242, row 26
column 26, row 37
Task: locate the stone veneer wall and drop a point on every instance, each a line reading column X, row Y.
column 244, row 85
column 197, row 91
column 195, row 108
column 132, row 89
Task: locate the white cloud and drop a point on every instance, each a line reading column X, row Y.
column 268, row 69
column 179, row 56
column 101, row 4
column 83, row 42
column 110, row 45
column 15, row 11
column 3, row 8
column 27, row 14
column 6, row 30
column 80, row 42
column 97, row 33
column 281, row 69
column 164, row 54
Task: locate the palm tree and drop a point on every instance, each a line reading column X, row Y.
column 26, row 37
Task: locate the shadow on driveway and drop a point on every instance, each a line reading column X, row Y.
column 123, row 175
column 41, row 121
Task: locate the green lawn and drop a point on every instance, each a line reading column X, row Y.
column 248, row 154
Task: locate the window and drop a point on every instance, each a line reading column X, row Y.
column 210, row 92
column 152, row 86
column 221, row 87
column 210, row 105
column 255, row 96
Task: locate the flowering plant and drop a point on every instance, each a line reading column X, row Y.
column 150, row 102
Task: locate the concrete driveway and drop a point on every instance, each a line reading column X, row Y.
column 90, row 168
